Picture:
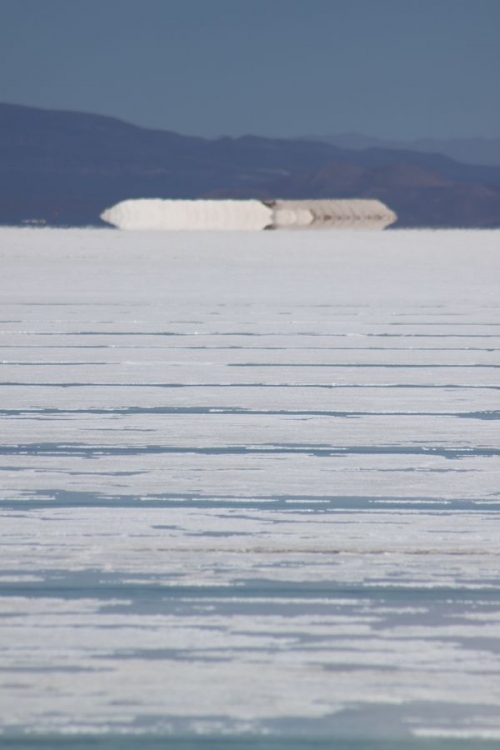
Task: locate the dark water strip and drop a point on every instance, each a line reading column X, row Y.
column 291, row 503
column 294, row 334
column 329, row 386
column 330, row 365
column 320, row 451
column 235, row 411
column 231, row 347
column 110, row 741
column 97, row 584
column 360, row 365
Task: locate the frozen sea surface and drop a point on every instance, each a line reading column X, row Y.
column 250, row 490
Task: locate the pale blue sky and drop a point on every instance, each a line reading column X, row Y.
column 390, row 68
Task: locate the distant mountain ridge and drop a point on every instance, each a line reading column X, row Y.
column 480, row 151
column 65, row 168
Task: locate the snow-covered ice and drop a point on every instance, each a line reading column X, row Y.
column 250, row 486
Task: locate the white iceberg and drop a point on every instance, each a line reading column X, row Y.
column 156, row 213
column 248, row 215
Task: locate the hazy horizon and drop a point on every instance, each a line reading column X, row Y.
column 296, row 136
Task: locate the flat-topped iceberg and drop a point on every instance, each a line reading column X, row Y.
column 155, row 213
column 248, row 215
column 355, row 213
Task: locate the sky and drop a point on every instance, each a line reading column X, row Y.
column 387, row 68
